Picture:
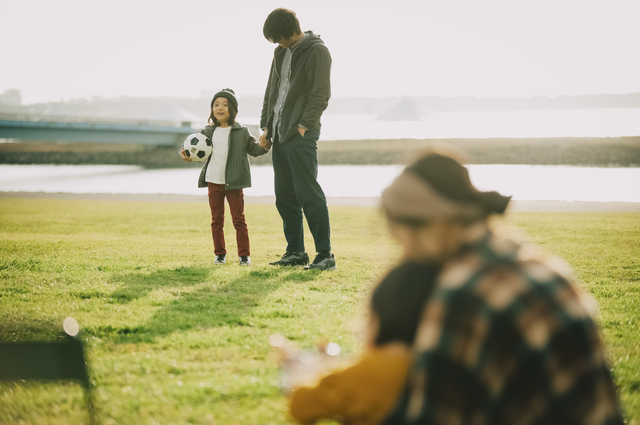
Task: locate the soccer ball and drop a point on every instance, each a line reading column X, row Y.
column 198, row 147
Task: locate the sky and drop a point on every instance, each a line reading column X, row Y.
column 69, row 49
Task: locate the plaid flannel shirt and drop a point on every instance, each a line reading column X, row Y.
column 506, row 338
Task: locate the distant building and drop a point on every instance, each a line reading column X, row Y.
column 408, row 109
column 11, row 97
column 176, row 114
column 58, row 110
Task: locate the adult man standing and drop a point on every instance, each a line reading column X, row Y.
column 297, row 94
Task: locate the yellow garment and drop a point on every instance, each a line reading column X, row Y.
column 361, row 394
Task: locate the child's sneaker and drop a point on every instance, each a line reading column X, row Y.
column 245, row 260
column 220, row 259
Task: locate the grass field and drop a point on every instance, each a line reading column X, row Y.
column 174, row 340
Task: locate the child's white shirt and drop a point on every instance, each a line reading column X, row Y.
column 218, row 162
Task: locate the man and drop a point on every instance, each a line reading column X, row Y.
column 297, row 94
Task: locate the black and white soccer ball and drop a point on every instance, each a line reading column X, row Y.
column 198, row 147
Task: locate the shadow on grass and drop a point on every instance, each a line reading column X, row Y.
column 227, row 304
column 138, row 285
column 33, row 329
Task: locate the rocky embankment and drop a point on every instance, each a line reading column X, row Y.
column 601, row 152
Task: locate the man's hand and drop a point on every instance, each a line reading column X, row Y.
column 184, row 156
column 301, row 131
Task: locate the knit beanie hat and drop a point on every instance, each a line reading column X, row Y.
column 228, row 94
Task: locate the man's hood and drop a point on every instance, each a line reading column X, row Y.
column 310, row 41
column 307, row 43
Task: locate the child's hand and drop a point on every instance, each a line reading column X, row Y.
column 184, row 156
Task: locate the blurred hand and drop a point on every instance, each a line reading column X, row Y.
column 184, row 156
column 283, row 347
column 302, row 368
column 301, row 131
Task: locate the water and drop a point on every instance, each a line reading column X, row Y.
column 444, row 125
column 523, row 182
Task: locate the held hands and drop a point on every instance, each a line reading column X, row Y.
column 264, row 142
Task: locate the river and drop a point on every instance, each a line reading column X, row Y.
column 523, row 182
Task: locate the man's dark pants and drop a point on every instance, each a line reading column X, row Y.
column 295, row 167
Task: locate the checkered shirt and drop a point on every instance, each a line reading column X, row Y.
column 506, row 338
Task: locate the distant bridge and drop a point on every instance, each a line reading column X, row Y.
column 89, row 130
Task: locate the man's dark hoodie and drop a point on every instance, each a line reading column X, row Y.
column 310, row 89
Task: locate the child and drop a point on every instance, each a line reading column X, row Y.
column 226, row 172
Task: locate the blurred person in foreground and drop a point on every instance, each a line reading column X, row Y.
column 472, row 327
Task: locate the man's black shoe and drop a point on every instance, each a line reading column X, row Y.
column 220, row 259
column 292, row 259
column 323, row 261
column 245, row 260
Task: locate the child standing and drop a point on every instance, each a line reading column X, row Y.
column 226, row 172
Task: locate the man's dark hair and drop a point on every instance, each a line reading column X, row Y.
column 281, row 23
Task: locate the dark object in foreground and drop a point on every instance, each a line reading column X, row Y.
column 48, row 361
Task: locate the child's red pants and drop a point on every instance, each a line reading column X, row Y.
column 235, row 198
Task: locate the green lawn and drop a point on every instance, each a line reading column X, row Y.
column 172, row 339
